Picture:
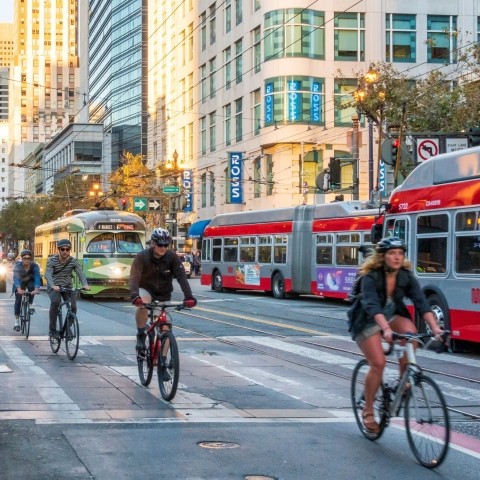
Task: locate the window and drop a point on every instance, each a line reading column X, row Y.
column 212, row 188
column 347, row 248
column 257, row 177
column 349, row 36
column 128, row 242
column 203, row 31
column 294, row 100
column 294, row 32
column 432, row 233
column 467, row 242
column 265, row 249
column 247, row 249
column 280, row 243
column 203, row 135
column 203, row 82
column 230, row 249
column 324, row 249
column 257, row 50
column 204, row 189
column 401, row 38
column 441, row 39
column 101, row 244
column 213, row 86
column 238, row 61
column 228, row 124
column 228, row 67
column 238, row 12
column 213, row 24
column 213, row 132
column 228, row 15
column 256, row 101
column 238, row 120
column 256, row 5
column 269, row 172
column 343, row 101
column 216, row 250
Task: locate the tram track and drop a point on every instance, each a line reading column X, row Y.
column 268, row 320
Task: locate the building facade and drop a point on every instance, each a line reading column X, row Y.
column 257, row 96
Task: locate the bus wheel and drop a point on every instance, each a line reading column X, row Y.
column 217, row 281
column 278, row 286
column 440, row 311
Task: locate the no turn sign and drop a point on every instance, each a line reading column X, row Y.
column 427, row 148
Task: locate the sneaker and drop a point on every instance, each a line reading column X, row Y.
column 141, row 342
column 16, row 328
column 166, row 377
column 52, row 333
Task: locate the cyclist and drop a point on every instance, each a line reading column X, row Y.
column 151, row 278
column 386, row 281
column 26, row 277
column 59, row 274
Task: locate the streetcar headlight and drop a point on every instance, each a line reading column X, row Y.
column 3, row 270
column 117, row 271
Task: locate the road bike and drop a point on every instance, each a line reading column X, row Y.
column 427, row 422
column 26, row 312
column 161, row 349
column 67, row 326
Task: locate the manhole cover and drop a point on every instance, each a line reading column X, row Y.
column 218, row 445
column 259, row 477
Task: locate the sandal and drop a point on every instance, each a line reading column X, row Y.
column 371, row 426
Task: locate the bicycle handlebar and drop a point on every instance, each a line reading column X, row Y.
column 420, row 338
column 164, row 305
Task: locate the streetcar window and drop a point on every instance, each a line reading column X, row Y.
column 280, row 248
column 265, row 249
column 230, row 250
column 101, row 244
column 128, row 242
column 467, row 254
column 217, row 250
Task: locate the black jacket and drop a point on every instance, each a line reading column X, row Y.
column 374, row 297
column 156, row 275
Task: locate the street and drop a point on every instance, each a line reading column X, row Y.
column 264, row 393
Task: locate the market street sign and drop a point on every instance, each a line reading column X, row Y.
column 171, row 189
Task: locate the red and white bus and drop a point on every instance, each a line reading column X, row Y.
column 437, row 212
column 309, row 249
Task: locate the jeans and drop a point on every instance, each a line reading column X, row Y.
column 55, row 300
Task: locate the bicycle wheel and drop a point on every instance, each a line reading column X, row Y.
column 72, row 335
column 55, row 340
column 427, row 422
column 358, row 401
column 168, row 365
column 22, row 317
column 145, row 361
column 26, row 320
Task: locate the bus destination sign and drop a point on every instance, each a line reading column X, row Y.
column 115, row 226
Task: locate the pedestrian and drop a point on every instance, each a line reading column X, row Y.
column 386, row 280
column 151, row 278
column 197, row 263
column 26, row 277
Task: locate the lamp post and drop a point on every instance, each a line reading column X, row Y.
column 369, row 99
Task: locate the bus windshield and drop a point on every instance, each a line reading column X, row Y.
column 119, row 242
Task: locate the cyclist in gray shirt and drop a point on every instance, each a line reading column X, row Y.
column 59, row 274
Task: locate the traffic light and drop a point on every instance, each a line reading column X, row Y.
column 124, row 203
column 474, row 137
column 395, row 147
column 335, row 172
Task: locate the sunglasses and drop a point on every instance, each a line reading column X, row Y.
column 65, row 249
column 26, row 258
column 163, row 245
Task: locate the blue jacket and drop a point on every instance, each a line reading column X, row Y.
column 22, row 278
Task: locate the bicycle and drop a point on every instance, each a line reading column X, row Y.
column 68, row 326
column 26, row 311
column 427, row 422
column 161, row 349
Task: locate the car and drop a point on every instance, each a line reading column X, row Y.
column 3, row 278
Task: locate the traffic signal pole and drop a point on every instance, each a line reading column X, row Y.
column 398, row 160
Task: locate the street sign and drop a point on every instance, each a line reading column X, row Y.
column 171, row 189
column 153, row 204
column 427, row 148
column 170, row 220
column 139, row 204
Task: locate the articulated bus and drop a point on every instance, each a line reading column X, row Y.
column 437, row 212
column 308, row 249
column 103, row 241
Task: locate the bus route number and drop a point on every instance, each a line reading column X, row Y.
column 403, row 206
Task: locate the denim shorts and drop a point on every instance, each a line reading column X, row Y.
column 373, row 329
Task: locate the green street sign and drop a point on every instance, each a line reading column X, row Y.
column 139, row 204
column 171, row 189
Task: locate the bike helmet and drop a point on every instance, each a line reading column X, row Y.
column 64, row 243
column 25, row 252
column 389, row 243
column 160, row 236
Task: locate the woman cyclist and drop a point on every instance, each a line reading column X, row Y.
column 386, row 280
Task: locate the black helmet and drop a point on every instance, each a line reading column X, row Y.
column 25, row 252
column 160, row 236
column 64, row 243
column 389, row 243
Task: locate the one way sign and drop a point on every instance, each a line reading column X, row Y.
column 153, row 204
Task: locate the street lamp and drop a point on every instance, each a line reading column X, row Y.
column 369, row 99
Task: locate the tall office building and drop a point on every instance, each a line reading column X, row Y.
column 6, row 44
column 257, row 96
column 117, row 74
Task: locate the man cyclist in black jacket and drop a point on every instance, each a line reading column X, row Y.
column 151, row 278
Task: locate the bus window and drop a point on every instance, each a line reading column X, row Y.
column 324, row 249
column 467, row 246
column 217, row 250
column 397, row 227
column 247, row 249
column 206, row 242
column 128, row 242
column 230, row 250
column 347, row 254
column 265, row 249
column 280, row 248
column 101, row 244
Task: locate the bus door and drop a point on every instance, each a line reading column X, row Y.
column 301, row 249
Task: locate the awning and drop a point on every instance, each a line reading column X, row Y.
column 195, row 230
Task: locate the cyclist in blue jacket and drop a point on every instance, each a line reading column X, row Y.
column 26, row 277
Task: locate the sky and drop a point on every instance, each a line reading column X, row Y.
column 6, row 11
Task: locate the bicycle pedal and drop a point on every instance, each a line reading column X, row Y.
column 32, row 311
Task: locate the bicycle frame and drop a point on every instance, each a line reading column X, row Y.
column 155, row 328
